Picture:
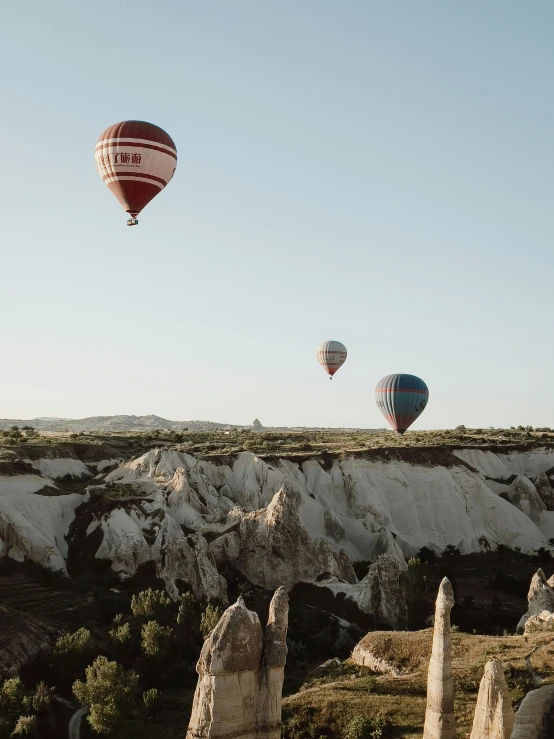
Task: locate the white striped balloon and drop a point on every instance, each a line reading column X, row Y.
column 331, row 355
column 136, row 160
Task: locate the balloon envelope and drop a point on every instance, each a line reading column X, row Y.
column 331, row 355
column 136, row 160
column 401, row 399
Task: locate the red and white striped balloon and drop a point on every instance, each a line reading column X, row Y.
column 136, row 160
column 331, row 355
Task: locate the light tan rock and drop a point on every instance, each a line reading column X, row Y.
column 439, row 715
column 363, row 657
column 268, row 721
column 541, row 602
column 240, row 675
column 494, row 716
column 277, row 548
column 534, row 715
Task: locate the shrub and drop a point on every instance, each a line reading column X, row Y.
column 149, row 603
column 365, row 727
column 426, row 555
column 210, row 619
column 25, row 726
column 12, row 694
column 120, row 634
column 152, row 700
column 76, row 642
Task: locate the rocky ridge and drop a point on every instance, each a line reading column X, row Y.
column 276, row 522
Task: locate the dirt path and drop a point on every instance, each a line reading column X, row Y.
column 74, row 726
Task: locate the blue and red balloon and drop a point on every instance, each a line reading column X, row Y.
column 401, row 399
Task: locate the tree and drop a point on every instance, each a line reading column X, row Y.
column 12, row 694
column 416, row 593
column 72, row 652
column 109, row 692
column 25, row 726
column 210, row 619
column 150, row 604
column 76, row 642
column 187, row 627
column 42, row 698
column 156, row 639
column 120, row 634
column 152, row 700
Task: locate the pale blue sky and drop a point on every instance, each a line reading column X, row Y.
column 379, row 173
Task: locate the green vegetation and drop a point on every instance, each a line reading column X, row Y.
column 345, row 700
column 20, row 710
column 209, row 620
column 124, row 668
column 301, row 443
column 126, row 652
column 109, row 691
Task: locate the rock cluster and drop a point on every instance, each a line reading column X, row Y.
column 534, row 711
column 241, row 673
column 494, row 716
column 540, row 613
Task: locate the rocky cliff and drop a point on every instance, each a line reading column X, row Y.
column 278, row 522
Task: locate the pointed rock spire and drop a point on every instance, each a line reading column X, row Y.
column 240, row 675
column 494, row 716
column 439, row 715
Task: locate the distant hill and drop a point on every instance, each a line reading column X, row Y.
column 139, row 423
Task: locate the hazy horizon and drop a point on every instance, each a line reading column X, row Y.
column 367, row 172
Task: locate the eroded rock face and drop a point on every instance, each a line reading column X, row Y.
column 494, row 716
column 379, row 592
column 534, row 715
column 276, row 549
column 133, row 533
column 523, row 494
column 240, row 675
column 544, row 489
column 540, row 613
column 439, row 715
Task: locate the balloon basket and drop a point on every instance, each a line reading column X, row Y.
column 132, row 222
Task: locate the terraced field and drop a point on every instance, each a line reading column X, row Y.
column 23, row 592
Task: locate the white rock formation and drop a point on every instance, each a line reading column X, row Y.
column 414, row 505
column 141, row 532
column 545, row 491
column 279, row 523
column 379, row 593
column 276, row 549
column 540, row 613
column 24, row 484
column 240, row 673
column 61, row 467
column 365, row 658
column 439, row 715
column 34, row 527
column 272, row 672
column 534, row 714
column 494, row 716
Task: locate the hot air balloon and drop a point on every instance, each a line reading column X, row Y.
column 136, row 160
column 401, row 399
column 331, row 355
